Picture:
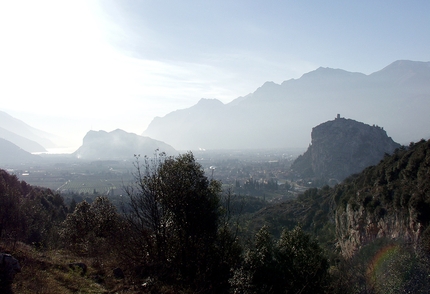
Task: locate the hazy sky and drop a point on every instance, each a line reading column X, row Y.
column 70, row 66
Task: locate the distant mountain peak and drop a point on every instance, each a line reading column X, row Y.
column 341, row 147
column 118, row 145
column 404, row 71
column 405, row 66
column 209, row 102
column 408, row 64
column 328, row 72
column 269, row 85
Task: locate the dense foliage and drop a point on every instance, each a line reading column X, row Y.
column 29, row 214
column 293, row 264
column 173, row 216
column 398, row 182
column 179, row 232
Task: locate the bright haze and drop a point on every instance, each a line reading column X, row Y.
column 67, row 67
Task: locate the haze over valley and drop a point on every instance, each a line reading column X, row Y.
column 124, row 64
column 214, row 147
column 274, row 116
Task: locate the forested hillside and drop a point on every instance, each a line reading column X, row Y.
column 29, row 214
column 390, row 200
column 179, row 232
column 383, row 211
column 175, row 233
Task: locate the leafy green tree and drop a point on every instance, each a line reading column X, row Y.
column 173, row 214
column 293, row 264
column 77, row 227
column 258, row 273
column 302, row 262
column 92, row 229
column 12, row 192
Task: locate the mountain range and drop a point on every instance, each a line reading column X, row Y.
column 11, row 154
column 21, row 134
column 281, row 115
column 18, row 140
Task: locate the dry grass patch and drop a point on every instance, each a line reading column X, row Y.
column 47, row 272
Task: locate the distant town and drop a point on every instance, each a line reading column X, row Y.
column 259, row 173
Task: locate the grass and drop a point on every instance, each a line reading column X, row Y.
column 47, row 272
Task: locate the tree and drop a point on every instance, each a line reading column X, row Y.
column 293, row 264
column 302, row 262
column 11, row 194
column 77, row 227
column 258, row 273
column 92, row 228
column 28, row 214
column 173, row 216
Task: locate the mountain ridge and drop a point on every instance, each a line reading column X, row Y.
column 23, row 130
column 12, row 154
column 24, row 143
column 279, row 116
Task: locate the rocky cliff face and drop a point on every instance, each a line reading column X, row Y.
column 342, row 147
column 356, row 227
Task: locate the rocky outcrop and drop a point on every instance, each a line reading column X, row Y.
column 118, row 145
column 358, row 227
column 9, row 267
column 342, row 147
column 390, row 200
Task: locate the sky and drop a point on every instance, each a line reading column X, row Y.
column 67, row 67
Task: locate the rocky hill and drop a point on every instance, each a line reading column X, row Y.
column 118, row 145
column 342, row 147
column 281, row 115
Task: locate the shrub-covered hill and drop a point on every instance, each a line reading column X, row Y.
column 28, row 213
column 389, row 200
column 386, row 202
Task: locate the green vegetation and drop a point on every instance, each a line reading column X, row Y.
column 293, row 264
column 178, row 232
column 95, row 186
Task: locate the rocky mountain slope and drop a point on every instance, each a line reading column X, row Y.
column 118, row 144
column 279, row 116
column 390, row 200
column 342, row 147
